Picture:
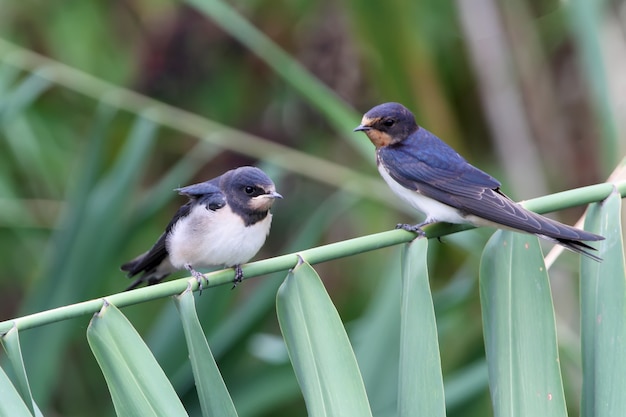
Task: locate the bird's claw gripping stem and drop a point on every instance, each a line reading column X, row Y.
column 414, row 228
column 238, row 276
column 198, row 276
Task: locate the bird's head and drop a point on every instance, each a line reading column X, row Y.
column 387, row 124
column 250, row 190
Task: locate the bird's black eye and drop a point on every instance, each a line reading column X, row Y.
column 249, row 190
column 388, row 122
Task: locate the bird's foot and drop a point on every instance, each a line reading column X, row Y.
column 414, row 228
column 238, row 276
column 198, row 276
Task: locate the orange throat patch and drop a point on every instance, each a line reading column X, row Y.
column 378, row 138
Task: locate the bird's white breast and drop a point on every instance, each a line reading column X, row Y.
column 207, row 238
column 432, row 209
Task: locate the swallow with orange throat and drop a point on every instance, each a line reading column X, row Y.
column 435, row 180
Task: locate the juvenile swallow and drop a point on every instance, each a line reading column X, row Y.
column 439, row 183
column 225, row 222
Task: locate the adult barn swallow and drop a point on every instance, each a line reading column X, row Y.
column 438, row 182
column 225, row 222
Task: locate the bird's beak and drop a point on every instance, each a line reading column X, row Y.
column 263, row 202
column 273, row 194
column 362, row 128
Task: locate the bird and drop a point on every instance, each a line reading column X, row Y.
column 438, row 182
column 225, row 222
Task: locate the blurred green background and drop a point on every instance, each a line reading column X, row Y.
column 530, row 91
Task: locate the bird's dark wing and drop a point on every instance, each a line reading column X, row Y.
column 425, row 164
column 207, row 193
column 200, row 189
column 153, row 258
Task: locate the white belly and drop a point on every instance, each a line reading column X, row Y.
column 432, row 209
column 208, row 238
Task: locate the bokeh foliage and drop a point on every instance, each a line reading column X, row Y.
column 86, row 169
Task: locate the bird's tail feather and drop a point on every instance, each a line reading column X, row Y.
column 569, row 237
column 148, row 278
column 131, row 266
column 575, row 246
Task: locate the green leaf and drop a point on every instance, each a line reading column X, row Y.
column 375, row 338
column 137, row 384
column 11, row 342
column 519, row 328
column 318, row 347
column 11, row 403
column 214, row 397
column 95, row 217
column 603, row 319
column 420, row 385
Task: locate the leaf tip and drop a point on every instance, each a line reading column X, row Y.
column 299, row 262
column 105, row 304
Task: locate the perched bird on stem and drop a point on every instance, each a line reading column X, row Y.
column 439, row 183
column 225, row 222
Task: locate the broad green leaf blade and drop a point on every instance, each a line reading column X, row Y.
column 603, row 315
column 137, row 384
column 519, row 328
column 11, row 403
column 11, row 343
column 420, row 384
column 375, row 338
column 318, row 347
column 214, row 397
column 94, row 217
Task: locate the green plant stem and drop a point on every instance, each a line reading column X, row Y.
column 315, row 255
